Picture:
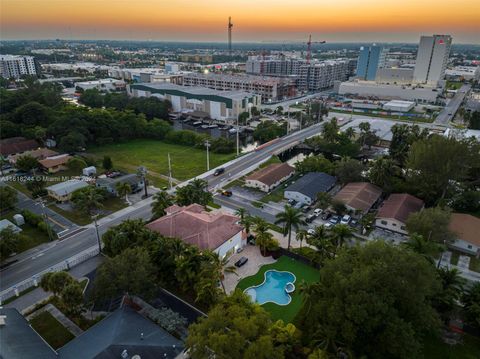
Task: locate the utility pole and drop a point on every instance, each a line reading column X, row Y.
column 207, row 145
column 238, row 138
column 94, row 217
column 45, row 218
column 169, row 172
column 142, row 171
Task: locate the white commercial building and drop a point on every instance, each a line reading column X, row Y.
column 399, row 106
column 219, row 105
column 432, row 58
column 12, row 66
column 101, row 85
column 464, row 72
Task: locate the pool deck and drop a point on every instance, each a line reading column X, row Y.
column 255, row 261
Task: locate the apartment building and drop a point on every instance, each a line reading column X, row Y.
column 271, row 89
column 432, row 57
column 13, row 66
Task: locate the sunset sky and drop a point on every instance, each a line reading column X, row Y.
column 254, row 20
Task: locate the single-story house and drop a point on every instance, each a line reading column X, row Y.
column 62, row 192
column 124, row 333
column 5, row 223
column 55, row 164
column 270, row 177
column 306, row 188
column 466, row 229
column 39, row 154
column 394, row 211
column 217, row 231
column 359, row 196
column 16, row 145
column 109, row 182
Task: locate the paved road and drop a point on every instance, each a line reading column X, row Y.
column 62, row 250
column 291, row 102
column 448, row 113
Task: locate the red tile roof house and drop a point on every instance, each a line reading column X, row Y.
column 219, row 232
column 466, row 229
column 55, row 164
column 270, row 177
column 16, row 145
column 359, row 196
column 394, row 212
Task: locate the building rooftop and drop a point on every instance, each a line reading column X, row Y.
column 54, row 161
column 39, row 153
column 399, row 206
column 12, row 145
column 313, row 183
column 272, row 173
column 5, row 223
column 196, row 226
column 130, row 178
column 67, row 187
column 466, row 227
column 359, row 195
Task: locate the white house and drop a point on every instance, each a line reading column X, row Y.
column 466, row 229
column 62, row 191
column 270, row 177
column 306, row 188
column 394, row 212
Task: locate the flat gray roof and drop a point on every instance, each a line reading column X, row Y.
column 67, row 187
column 312, row 183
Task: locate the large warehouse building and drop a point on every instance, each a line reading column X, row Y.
column 223, row 106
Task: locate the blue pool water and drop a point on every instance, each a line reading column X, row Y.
column 273, row 289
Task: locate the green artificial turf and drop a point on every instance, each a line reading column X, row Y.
column 51, row 330
column 301, row 271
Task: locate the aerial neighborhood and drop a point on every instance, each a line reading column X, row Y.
column 290, row 199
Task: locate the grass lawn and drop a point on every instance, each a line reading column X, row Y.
column 302, row 271
column 453, row 85
column 474, row 262
column 51, row 330
column 435, row 348
column 187, row 162
column 110, row 205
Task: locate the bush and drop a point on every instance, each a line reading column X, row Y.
column 43, row 226
column 31, row 218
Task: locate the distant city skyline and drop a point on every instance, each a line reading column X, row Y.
column 254, row 21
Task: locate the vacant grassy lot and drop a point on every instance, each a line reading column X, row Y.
column 51, row 330
column 187, row 162
column 302, row 271
column 435, row 348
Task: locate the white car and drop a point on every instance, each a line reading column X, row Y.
column 328, row 225
column 311, row 231
column 317, row 211
column 345, row 219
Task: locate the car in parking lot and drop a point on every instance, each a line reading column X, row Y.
column 310, row 218
column 299, row 205
column 335, row 219
column 328, row 225
column 292, row 202
column 353, row 223
column 317, row 211
column 306, row 209
column 241, row 262
column 345, row 219
column 311, row 231
column 326, row 216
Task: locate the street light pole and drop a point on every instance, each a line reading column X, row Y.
column 45, row 218
column 238, row 138
column 207, row 144
column 169, row 172
column 98, row 235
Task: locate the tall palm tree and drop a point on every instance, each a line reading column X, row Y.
column 302, row 235
column 290, row 218
column 321, row 240
column 241, row 212
column 340, row 233
column 263, row 238
column 382, row 173
column 88, row 199
column 221, row 266
column 452, row 288
column 161, row 201
column 427, row 249
column 123, row 189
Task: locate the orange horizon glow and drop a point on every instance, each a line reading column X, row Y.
column 254, row 20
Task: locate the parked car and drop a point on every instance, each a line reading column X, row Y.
column 310, row 218
column 326, row 216
column 317, row 211
column 299, row 205
column 353, row 222
column 227, row 193
column 335, row 219
column 345, row 219
column 328, row 225
column 291, row 202
column 219, row 171
column 311, row 231
column 241, row 262
column 240, row 250
column 306, row 209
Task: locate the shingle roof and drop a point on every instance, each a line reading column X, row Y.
column 121, row 331
column 67, row 187
column 312, row 183
column 359, row 195
column 196, row 226
column 466, row 227
column 112, row 181
column 399, row 206
column 272, row 174
column 12, row 145
column 18, row 340
column 53, row 161
column 39, row 153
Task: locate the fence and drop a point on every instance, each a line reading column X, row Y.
column 35, row 280
column 284, row 252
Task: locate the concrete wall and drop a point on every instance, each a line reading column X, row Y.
column 230, row 246
column 464, row 246
column 391, row 225
column 297, row 196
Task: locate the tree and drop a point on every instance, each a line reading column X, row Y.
column 27, row 163
column 129, row 272
column 123, row 189
column 375, row 299
column 76, row 164
column 340, row 233
column 403, row 136
column 72, row 298
column 431, row 223
column 349, row 170
column 427, row 249
column 367, row 136
column 268, row 130
column 235, row 329
column 263, row 238
column 8, row 198
column 72, row 142
column 88, row 199
column 107, row 163
column 437, row 162
column 36, row 186
column 324, row 199
column 161, row 201
column 290, row 218
column 128, row 234
column 91, row 98
column 321, row 240
column 243, row 118
column 55, row 282
column 315, row 164
column 339, row 207
column 384, row 173
column 450, row 291
column 471, row 302
column 9, row 242
column 301, row 236
column 195, row 192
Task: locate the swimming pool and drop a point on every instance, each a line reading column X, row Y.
column 274, row 289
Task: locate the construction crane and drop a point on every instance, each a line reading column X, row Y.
column 309, row 47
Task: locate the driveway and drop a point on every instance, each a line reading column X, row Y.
column 255, row 261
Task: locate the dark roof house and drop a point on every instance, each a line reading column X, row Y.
column 14, row 145
column 360, row 196
column 399, row 206
column 312, row 183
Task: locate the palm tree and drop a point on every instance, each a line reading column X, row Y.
column 88, row 199
column 221, row 266
column 241, row 212
column 382, row 173
column 291, row 218
column 245, row 218
column 452, row 288
column 302, row 235
column 161, row 201
column 425, row 248
column 263, row 238
column 321, row 240
column 123, row 189
column 324, row 199
column 340, row 233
